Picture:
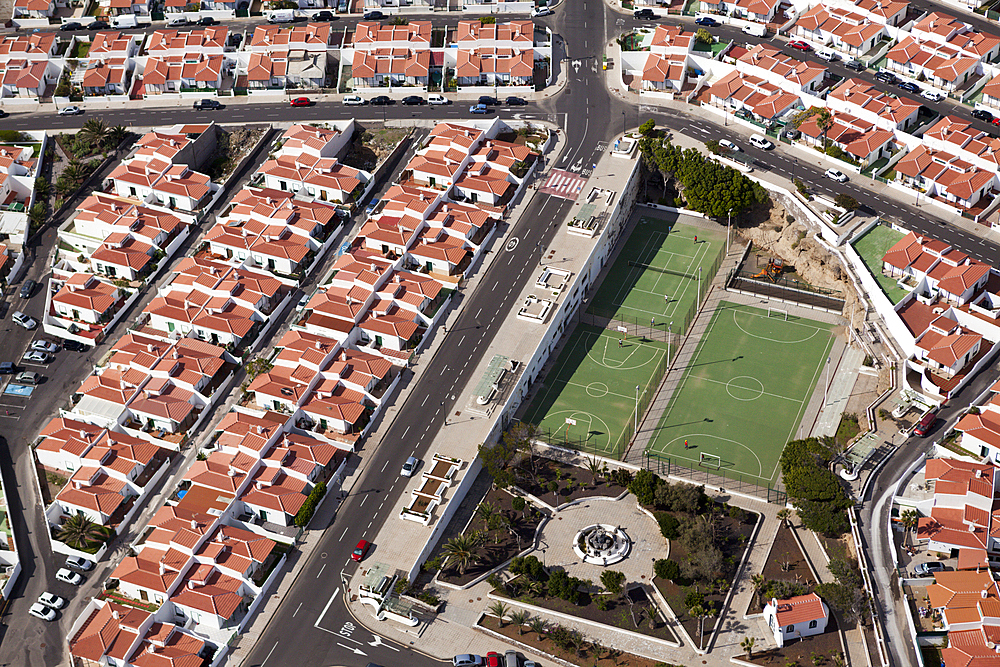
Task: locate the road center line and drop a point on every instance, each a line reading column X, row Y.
column 321, row 571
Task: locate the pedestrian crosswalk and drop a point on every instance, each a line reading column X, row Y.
column 564, row 184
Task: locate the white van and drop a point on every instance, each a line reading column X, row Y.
column 281, row 16
column 124, row 21
column 755, row 29
column 760, row 141
column 829, row 55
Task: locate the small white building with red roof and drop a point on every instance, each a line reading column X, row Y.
column 796, row 618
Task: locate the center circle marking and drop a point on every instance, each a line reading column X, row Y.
column 733, row 384
column 597, row 390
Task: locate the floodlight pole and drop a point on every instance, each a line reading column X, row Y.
column 670, row 332
column 635, row 432
column 826, row 385
column 729, row 222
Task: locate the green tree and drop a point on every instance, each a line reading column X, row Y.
column 37, row 215
column 519, row 618
column 42, row 187
column 747, row 645
column 612, row 580
column 486, row 511
column 909, row 518
column 594, row 467
column 539, row 626
column 500, row 610
column 462, row 551
column 95, row 130
column 669, row 525
column 784, row 515
column 667, row 569
column 258, row 366
column 703, row 36
column 644, row 486
column 117, row 134
column 648, row 128
column 80, row 532
column 846, row 202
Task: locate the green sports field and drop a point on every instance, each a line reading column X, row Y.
column 594, row 384
column 744, row 392
column 634, row 290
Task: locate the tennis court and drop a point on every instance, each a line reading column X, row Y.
column 655, row 276
column 743, row 395
column 593, row 385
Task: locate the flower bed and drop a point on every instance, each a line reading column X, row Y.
column 572, row 482
column 823, row 650
column 785, row 562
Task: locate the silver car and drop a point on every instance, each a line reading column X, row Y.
column 52, row 600
column 68, row 576
column 34, row 356
column 44, row 346
column 23, row 320
column 409, row 467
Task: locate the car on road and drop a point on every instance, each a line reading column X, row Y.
column 28, row 377
column 755, row 30
column 178, row 22
column 434, row 98
column 374, row 16
column 3, row 114
column 79, row 563
column 932, row 95
column 855, row 65
column 71, row 25
column 644, row 13
column 44, row 346
column 69, row 577
column 886, row 77
column 98, row 25
column 359, row 551
column 36, row 357
column 909, row 86
column 926, row 424
column 835, row 175
column 325, row 15
column 28, row 288
column 494, row 659
column 52, row 600
column 467, row 660
column 410, row 466
column 538, row 12
column 996, row 121
column 515, row 102
column 207, row 21
column 413, row 101
column 982, row 114
column 479, row 108
column 303, row 302
column 7, row 368
column 728, row 145
column 300, row 102
column 488, row 100
column 205, row 105
column 74, row 345
column 381, row 101
column 38, row 610
column 354, row 101
column 23, row 320
column 707, row 21
column 928, row 569
column 761, row 142
column 70, row 111
column 799, row 45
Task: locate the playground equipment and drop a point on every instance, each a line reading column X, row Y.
column 772, row 270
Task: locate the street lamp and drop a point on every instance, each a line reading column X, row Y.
column 670, row 333
column 729, row 221
column 623, row 124
column 635, row 432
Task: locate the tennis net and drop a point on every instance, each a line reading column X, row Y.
column 650, row 267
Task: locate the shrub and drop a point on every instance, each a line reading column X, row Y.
column 667, row 569
column 669, row 525
column 305, row 513
column 643, row 485
column 647, row 128
column 518, row 504
column 612, row 580
column 565, row 587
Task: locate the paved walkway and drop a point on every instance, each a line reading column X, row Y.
column 844, row 377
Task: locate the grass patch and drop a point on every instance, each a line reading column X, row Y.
column 80, row 50
column 872, row 248
column 848, row 428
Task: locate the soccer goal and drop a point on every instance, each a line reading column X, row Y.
column 709, row 460
column 778, row 313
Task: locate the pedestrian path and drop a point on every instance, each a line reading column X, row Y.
column 841, row 384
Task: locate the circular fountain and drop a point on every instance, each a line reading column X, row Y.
column 602, row 544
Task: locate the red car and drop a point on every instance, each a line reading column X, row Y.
column 301, row 102
column 494, row 659
column 359, row 551
column 801, row 46
column 996, row 121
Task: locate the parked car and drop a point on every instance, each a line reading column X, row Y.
column 541, row 11
column 98, row 25
column 932, row 95
column 829, row 55
column 410, row 466
column 434, row 98
column 755, row 30
column 760, row 141
column 359, row 551
column 374, row 16
column 835, row 175
column 380, row 101
column 707, row 21
column 303, row 302
column 982, row 114
column 511, row 659
column 494, row 659
column 791, row 133
column 886, row 77
column 644, row 13
column 74, row 345
column 23, row 320
column 36, row 357
column 413, row 100
column 488, row 100
column 855, row 65
column 799, row 45
column 926, row 424
column 206, row 21
column 44, row 346
column 467, row 660
column 928, row 569
column 354, row 101
column 178, row 22
column 325, row 15
column 515, row 102
column 7, row 368
column 372, row 205
column 79, row 563
column 52, row 600
column 70, row 111
column 71, row 25
column 728, row 145
column 205, row 105
column 300, row 102
column 69, row 577
column 27, row 288
column 479, row 108
column 909, row 87
column 28, row 377
column 38, row 610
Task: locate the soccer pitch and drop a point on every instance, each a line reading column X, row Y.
column 744, row 392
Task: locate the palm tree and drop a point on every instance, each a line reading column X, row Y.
column 757, row 581
column 117, row 134
column 80, row 532
column 486, row 511
column 499, row 609
column 747, row 644
column 461, row 551
column 824, row 121
column 96, row 130
column 909, row 518
column 785, row 515
column 539, row 626
column 576, row 640
column 594, row 467
column 701, row 613
column 519, row 618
